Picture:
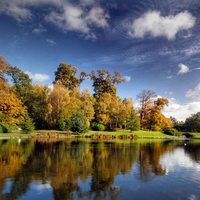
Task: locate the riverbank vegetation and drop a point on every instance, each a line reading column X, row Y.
column 26, row 106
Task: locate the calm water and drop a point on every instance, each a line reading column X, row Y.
column 81, row 169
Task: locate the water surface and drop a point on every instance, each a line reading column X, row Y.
column 88, row 169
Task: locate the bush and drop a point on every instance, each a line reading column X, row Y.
column 61, row 125
column 97, row 127
column 1, row 129
column 188, row 135
column 171, row 131
column 5, row 128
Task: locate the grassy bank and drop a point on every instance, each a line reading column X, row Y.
column 114, row 134
column 93, row 134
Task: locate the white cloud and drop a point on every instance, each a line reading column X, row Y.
column 20, row 13
column 39, row 30
column 127, row 78
column 181, row 111
column 82, row 17
column 51, row 42
column 38, row 77
column 153, row 23
column 194, row 94
column 184, row 69
column 76, row 18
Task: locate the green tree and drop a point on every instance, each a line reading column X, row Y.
column 133, row 123
column 22, row 84
column 174, row 121
column 67, row 75
column 78, row 123
column 104, row 82
column 192, row 123
column 27, row 126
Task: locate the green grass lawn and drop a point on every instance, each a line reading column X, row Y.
column 140, row 134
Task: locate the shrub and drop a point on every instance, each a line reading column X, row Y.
column 61, row 125
column 188, row 135
column 1, row 129
column 97, row 127
column 171, row 131
column 5, row 128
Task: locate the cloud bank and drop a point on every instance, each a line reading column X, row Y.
column 156, row 25
column 181, row 111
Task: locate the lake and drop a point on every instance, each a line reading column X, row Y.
column 90, row 169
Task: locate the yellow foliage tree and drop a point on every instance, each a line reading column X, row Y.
column 87, row 105
column 58, row 101
column 12, row 109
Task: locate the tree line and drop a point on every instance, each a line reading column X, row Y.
column 65, row 107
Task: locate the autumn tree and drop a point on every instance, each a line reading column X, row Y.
column 67, row 75
column 87, row 105
column 150, row 111
column 115, row 113
column 146, row 103
column 38, row 106
column 58, row 102
column 4, row 67
column 102, row 109
column 4, row 86
column 157, row 120
column 12, row 110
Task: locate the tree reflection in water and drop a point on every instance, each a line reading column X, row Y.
column 64, row 164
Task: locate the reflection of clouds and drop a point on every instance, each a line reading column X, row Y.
column 39, row 187
column 179, row 159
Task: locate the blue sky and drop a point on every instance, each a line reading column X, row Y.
column 154, row 44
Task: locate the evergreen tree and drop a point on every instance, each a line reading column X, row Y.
column 27, row 126
column 133, row 121
column 78, row 123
